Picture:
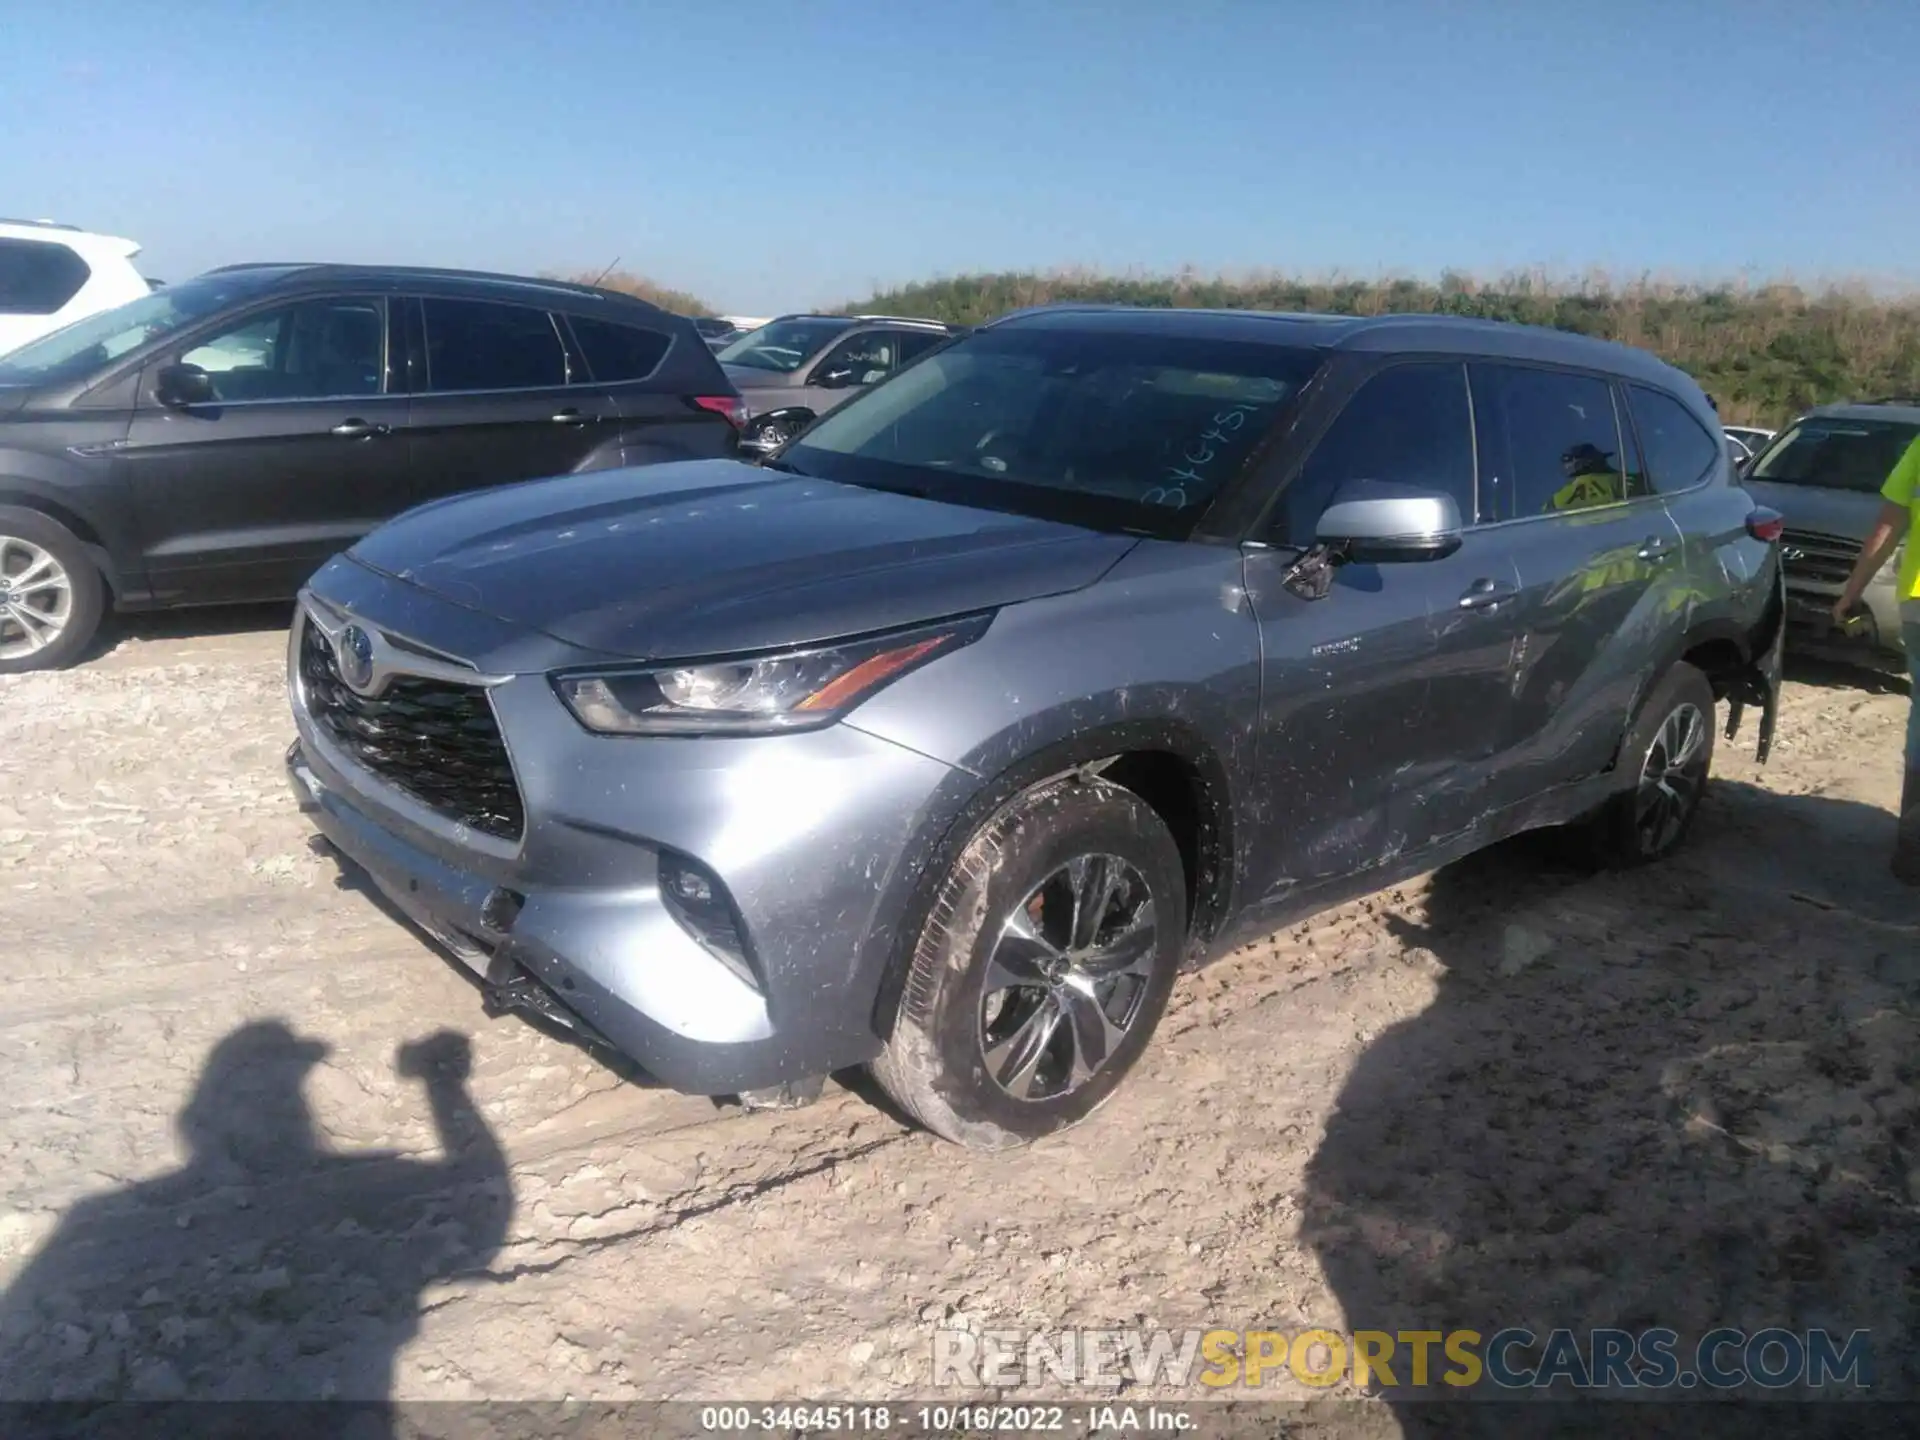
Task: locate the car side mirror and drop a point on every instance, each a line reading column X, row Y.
column 1373, row 522
column 841, row 377
column 178, row 386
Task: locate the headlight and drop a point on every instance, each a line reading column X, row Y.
column 797, row 690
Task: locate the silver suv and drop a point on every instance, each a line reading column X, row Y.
column 793, row 370
column 1085, row 648
column 1824, row 473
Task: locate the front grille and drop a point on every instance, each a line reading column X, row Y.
column 434, row 741
column 1818, row 559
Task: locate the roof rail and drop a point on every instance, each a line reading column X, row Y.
column 904, row 320
column 433, row 272
column 37, row 224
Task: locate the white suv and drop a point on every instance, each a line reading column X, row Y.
column 52, row 275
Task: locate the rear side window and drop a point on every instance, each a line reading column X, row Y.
column 1678, row 450
column 476, row 345
column 863, row 359
column 619, row 352
column 1408, row 425
column 37, row 277
column 1550, row 443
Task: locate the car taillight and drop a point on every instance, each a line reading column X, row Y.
column 732, row 407
column 1765, row 524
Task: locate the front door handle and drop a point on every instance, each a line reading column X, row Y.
column 569, row 416
column 1486, row 594
column 357, row 429
column 1657, row 549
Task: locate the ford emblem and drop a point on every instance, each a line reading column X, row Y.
column 354, row 652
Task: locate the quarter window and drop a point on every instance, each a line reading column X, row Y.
column 1680, row 453
column 619, row 352
column 38, row 277
column 311, row 350
column 916, row 343
column 1408, row 425
column 476, row 345
column 1550, row 443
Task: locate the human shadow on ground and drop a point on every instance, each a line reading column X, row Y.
column 1680, row 1097
column 267, row 1267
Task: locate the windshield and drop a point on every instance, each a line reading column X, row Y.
column 1829, row 453
column 782, row 346
column 1103, row 428
column 77, row 350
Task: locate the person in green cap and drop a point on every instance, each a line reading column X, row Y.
column 1899, row 521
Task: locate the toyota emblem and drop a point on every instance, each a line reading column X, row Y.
column 354, row 654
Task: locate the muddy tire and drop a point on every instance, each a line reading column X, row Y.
column 1669, row 751
column 51, row 594
column 1043, row 967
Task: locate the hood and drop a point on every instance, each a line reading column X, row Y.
column 710, row 557
column 1847, row 513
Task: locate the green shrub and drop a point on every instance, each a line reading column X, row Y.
column 1764, row 351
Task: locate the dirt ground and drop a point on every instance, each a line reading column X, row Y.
column 1513, row 1094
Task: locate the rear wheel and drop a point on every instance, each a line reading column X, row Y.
column 1670, row 752
column 771, row 435
column 1043, row 967
column 51, row 596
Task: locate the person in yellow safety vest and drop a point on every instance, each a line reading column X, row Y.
column 1590, row 480
column 1897, row 532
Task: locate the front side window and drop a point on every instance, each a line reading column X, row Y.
column 1828, row 453
column 619, row 352
column 1409, row 425
column 1098, row 426
column 1679, row 451
column 478, row 345
column 863, row 359
column 38, row 277
column 310, row 350
column 1554, row 445
column 782, row 346
column 79, row 349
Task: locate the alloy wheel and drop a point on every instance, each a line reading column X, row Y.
column 1066, row 977
column 36, row 598
column 1670, row 779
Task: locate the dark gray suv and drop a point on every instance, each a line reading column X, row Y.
column 1087, row 647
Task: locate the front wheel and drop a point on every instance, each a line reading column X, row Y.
column 1043, row 967
column 51, row 596
column 1669, row 751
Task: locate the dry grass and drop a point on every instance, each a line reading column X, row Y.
column 1764, row 349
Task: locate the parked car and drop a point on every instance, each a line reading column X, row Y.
column 52, row 275
column 1824, row 473
column 792, row 370
column 1750, row 438
column 717, row 332
column 1090, row 645
column 219, row 439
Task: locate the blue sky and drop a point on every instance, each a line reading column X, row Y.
column 770, row 156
